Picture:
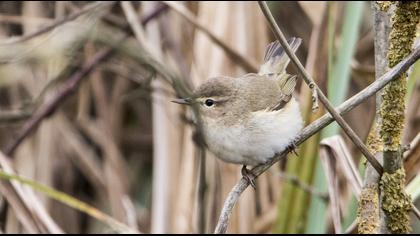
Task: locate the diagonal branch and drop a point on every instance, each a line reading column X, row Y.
column 313, row 128
column 346, row 127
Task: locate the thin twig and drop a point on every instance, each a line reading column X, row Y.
column 346, row 128
column 303, row 186
column 59, row 22
column 310, row 130
column 242, row 61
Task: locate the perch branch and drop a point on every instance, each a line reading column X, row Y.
column 346, row 127
column 313, row 128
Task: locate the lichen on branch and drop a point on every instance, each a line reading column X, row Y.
column 373, row 141
column 404, row 22
column 368, row 211
column 396, row 203
column 384, row 5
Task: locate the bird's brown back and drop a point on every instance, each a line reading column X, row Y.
column 258, row 92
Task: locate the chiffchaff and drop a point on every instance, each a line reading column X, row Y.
column 248, row 119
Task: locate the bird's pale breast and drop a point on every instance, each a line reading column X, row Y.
column 256, row 139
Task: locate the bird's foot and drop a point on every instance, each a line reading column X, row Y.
column 249, row 176
column 292, row 148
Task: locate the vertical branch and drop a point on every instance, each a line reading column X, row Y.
column 402, row 35
column 370, row 216
column 396, row 203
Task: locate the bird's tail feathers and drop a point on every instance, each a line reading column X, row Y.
column 276, row 59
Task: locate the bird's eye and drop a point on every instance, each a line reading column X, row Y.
column 209, row 102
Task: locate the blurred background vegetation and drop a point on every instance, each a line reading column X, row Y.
column 85, row 91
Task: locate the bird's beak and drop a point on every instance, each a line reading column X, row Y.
column 182, row 101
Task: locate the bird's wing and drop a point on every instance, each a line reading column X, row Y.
column 287, row 85
column 276, row 59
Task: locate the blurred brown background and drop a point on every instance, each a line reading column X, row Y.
column 116, row 142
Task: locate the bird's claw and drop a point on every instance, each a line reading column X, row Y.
column 292, row 148
column 249, row 176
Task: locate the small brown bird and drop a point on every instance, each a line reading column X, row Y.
column 247, row 120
